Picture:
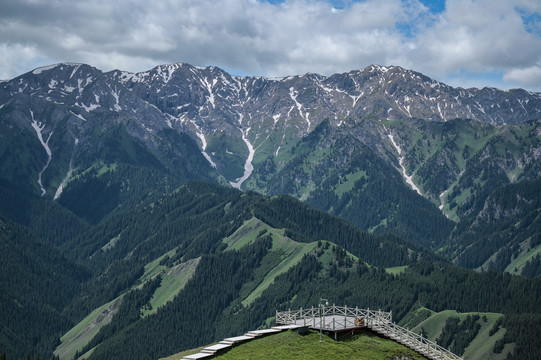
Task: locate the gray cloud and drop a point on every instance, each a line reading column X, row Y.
column 253, row 37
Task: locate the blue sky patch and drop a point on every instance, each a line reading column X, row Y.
column 531, row 20
column 435, row 6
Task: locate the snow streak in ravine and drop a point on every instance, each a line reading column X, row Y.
column 38, row 127
column 248, row 166
column 442, row 202
column 68, row 175
column 201, row 137
column 400, row 162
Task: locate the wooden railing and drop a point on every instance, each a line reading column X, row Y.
column 337, row 318
column 333, row 317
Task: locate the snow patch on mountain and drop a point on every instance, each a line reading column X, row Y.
column 201, row 137
column 408, row 179
column 166, row 71
column 79, row 116
column 442, row 202
column 75, row 68
column 293, row 94
column 68, row 175
column 38, row 127
column 209, row 89
column 88, row 108
column 116, row 95
column 44, row 68
column 248, row 166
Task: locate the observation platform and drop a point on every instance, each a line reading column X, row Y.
column 336, row 319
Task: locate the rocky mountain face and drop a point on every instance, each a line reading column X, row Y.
column 372, row 145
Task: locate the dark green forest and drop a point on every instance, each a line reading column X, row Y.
column 66, row 278
column 435, row 285
column 63, row 259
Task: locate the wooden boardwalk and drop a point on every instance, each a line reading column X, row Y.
column 340, row 319
column 336, row 319
column 213, row 350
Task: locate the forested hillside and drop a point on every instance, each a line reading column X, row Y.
column 36, row 285
column 239, row 239
column 436, row 286
column 188, row 223
column 335, row 171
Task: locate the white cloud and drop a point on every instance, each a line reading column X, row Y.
column 18, row 58
column 529, row 77
column 480, row 35
column 254, row 37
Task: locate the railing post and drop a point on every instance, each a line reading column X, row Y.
column 368, row 318
column 345, row 316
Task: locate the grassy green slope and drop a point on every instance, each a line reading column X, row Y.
column 173, row 280
column 290, row 345
column 481, row 348
column 517, row 264
column 81, row 334
column 396, row 270
column 285, row 253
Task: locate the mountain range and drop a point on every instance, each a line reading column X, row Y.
column 352, row 144
column 393, row 167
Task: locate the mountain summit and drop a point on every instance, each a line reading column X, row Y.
column 235, row 121
column 369, row 145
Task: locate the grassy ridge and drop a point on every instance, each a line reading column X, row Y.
column 290, row 345
column 285, row 253
column 173, row 281
column 481, row 348
column 396, row 270
column 516, row 265
column 81, row 334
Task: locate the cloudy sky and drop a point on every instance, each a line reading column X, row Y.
column 460, row 42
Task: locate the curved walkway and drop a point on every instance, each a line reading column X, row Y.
column 213, row 350
column 337, row 319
